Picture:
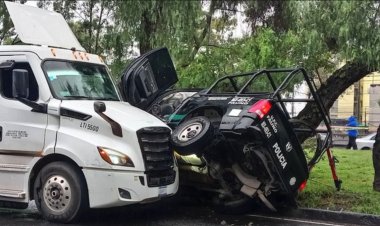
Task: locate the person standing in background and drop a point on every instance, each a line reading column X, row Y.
column 352, row 133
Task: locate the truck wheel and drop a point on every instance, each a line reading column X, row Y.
column 192, row 136
column 60, row 192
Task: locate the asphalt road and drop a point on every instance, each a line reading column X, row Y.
column 172, row 211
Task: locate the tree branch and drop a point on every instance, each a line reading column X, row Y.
column 91, row 6
column 99, row 27
column 230, row 10
column 199, row 40
column 78, row 14
column 216, row 46
column 330, row 90
column 374, row 18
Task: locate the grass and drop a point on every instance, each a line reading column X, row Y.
column 355, row 169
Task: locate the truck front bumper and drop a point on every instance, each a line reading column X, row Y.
column 118, row 188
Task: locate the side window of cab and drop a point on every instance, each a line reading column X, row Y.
column 6, row 81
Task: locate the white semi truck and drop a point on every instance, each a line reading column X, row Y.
column 67, row 140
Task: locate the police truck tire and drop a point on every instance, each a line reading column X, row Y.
column 192, row 136
column 60, row 192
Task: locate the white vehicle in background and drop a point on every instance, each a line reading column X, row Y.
column 366, row 142
column 67, row 140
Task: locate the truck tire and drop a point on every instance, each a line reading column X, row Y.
column 192, row 136
column 60, row 192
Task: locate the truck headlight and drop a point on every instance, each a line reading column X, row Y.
column 114, row 157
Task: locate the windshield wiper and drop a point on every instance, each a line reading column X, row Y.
column 107, row 98
column 78, row 97
column 90, row 98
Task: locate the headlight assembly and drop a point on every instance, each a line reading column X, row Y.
column 114, row 157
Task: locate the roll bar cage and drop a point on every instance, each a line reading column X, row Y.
column 275, row 96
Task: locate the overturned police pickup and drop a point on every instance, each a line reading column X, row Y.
column 240, row 137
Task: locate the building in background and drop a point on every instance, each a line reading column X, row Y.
column 362, row 100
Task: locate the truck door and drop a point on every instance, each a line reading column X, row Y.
column 22, row 131
column 147, row 77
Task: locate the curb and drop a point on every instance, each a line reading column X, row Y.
column 337, row 217
column 342, row 217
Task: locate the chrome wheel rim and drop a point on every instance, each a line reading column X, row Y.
column 190, row 131
column 57, row 193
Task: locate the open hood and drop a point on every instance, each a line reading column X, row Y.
column 147, row 77
column 42, row 27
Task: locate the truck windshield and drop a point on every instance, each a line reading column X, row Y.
column 77, row 80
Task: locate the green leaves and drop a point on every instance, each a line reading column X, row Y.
column 265, row 50
column 312, row 34
column 347, row 29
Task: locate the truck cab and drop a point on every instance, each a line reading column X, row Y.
column 67, row 140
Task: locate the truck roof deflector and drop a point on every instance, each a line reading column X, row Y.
column 41, row 27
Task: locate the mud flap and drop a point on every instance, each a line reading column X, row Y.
column 36, row 191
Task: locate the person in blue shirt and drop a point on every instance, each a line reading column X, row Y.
column 352, row 133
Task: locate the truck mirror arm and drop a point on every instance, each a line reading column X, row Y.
column 36, row 107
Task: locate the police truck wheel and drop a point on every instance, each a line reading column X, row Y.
column 60, row 192
column 192, row 136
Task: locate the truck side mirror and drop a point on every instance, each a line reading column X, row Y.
column 20, row 83
column 99, row 107
column 7, row 64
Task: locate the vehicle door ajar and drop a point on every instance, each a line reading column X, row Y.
column 147, row 77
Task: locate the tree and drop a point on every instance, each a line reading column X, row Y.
column 349, row 31
column 154, row 23
column 284, row 33
column 144, row 25
column 272, row 13
column 89, row 20
column 6, row 26
column 315, row 35
column 5, row 23
column 183, row 26
column 64, row 7
column 344, row 30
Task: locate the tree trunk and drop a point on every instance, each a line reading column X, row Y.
column 99, row 28
column 329, row 91
column 149, row 26
column 335, row 85
column 91, row 6
column 144, row 37
column 198, row 41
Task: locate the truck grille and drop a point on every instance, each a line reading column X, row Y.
column 157, row 154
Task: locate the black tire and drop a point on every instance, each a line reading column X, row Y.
column 60, row 192
column 192, row 136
